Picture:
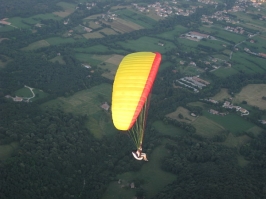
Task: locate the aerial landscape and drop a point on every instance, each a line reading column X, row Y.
column 205, row 128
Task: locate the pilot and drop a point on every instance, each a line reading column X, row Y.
column 138, row 155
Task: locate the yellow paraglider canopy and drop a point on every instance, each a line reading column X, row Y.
column 132, row 85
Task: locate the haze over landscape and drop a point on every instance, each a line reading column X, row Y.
column 206, row 127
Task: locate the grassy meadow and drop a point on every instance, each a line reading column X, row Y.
column 206, row 127
column 223, row 94
column 147, row 44
column 232, row 122
column 60, row 40
column 135, row 17
column 67, row 7
column 36, row 45
column 25, row 92
column 184, row 112
column 168, row 129
column 58, row 59
column 252, row 94
column 88, row 102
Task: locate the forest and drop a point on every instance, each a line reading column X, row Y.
column 54, row 154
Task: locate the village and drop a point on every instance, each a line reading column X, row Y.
column 227, row 105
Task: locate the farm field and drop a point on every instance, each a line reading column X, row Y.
column 225, row 35
column 36, row 45
column 107, row 31
column 154, row 179
column 236, row 142
column 124, row 26
column 19, row 21
column 225, row 72
column 68, row 9
column 147, row 44
column 252, row 94
column 135, row 17
column 5, row 28
column 184, row 112
column 223, row 94
column 110, row 65
column 206, row 127
column 87, row 58
column 168, row 129
column 58, row 59
column 178, row 30
column 60, row 40
column 248, row 63
column 87, row 102
column 92, row 35
column 258, row 45
column 25, row 92
column 232, row 122
column 92, row 24
column 83, row 102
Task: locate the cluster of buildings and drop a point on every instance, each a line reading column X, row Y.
column 219, row 16
column 166, row 9
column 90, row 5
column 238, row 30
column 109, row 16
column 195, row 83
column 195, row 36
column 228, row 105
column 214, row 112
column 262, row 55
column 210, row 2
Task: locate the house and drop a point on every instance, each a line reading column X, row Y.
column 214, row 112
column 132, row 185
column 105, row 106
column 18, row 99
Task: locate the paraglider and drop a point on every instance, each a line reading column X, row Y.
column 130, row 97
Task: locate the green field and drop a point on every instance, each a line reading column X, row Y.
column 99, row 49
column 68, row 9
column 178, row 30
column 225, row 72
column 147, row 44
column 206, row 127
column 60, row 40
column 36, row 45
column 84, row 57
column 154, row 179
column 88, row 102
column 58, row 59
column 20, row 22
column 232, row 122
column 225, row 35
column 168, row 129
column 258, row 45
column 25, row 92
column 135, row 17
column 83, row 102
column 248, row 63
column 5, row 28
